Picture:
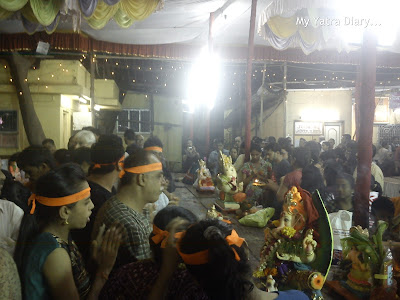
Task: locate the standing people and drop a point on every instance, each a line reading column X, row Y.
column 106, row 155
column 35, row 161
column 49, row 144
column 213, row 158
column 49, row 262
column 140, row 184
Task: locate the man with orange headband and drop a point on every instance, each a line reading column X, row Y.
column 103, row 174
column 155, row 145
column 140, row 184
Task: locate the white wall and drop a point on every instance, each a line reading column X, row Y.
column 325, row 106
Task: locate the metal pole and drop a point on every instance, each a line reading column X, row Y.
column 367, row 110
column 249, row 72
column 210, row 51
column 262, row 104
column 284, row 102
column 92, row 70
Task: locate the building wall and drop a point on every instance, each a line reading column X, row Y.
column 47, row 84
column 168, row 118
column 320, row 105
column 273, row 126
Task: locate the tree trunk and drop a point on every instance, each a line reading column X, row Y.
column 19, row 71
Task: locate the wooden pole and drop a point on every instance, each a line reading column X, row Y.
column 357, row 103
column 367, row 110
column 262, row 105
column 250, row 54
column 284, row 102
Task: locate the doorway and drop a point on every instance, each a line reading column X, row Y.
column 333, row 130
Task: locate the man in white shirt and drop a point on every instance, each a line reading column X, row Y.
column 10, row 221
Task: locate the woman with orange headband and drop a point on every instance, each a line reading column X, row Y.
column 216, row 256
column 48, row 261
column 146, row 279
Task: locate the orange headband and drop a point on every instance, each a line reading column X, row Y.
column 201, row 258
column 161, row 236
column 58, row 201
column 120, row 161
column 158, row 149
column 142, row 169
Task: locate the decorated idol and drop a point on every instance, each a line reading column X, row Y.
column 204, row 182
column 298, row 248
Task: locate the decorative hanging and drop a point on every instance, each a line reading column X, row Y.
column 44, row 14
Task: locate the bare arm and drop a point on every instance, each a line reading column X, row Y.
column 282, row 190
column 57, row 270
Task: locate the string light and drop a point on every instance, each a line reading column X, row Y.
column 112, row 73
column 34, row 68
column 38, row 78
column 10, row 79
column 127, row 66
column 60, row 65
column 146, row 96
column 66, row 70
column 47, row 87
column 106, row 60
column 133, row 80
column 20, row 93
column 165, row 84
column 26, row 79
column 160, row 68
column 116, row 63
column 5, row 67
column 149, row 69
column 138, row 68
column 52, row 75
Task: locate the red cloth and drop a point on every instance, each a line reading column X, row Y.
column 293, row 178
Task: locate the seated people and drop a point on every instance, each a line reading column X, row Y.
column 383, row 209
column 256, row 168
column 280, row 166
column 216, row 256
column 135, row 280
column 190, row 156
column 344, row 198
column 103, row 173
column 234, row 154
column 140, row 184
column 213, row 158
column 375, row 170
column 301, row 157
column 48, row 261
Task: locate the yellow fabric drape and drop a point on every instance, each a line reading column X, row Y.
column 287, row 27
column 122, row 19
column 124, row 12
column 45, row 11
column 138, row 9
column 102, row 14
column 4, row 14
column 12, row 5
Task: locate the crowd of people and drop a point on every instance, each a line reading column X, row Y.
column 100, row 221
column 325, row 166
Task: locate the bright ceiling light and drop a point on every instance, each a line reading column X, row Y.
column 204, row 81
column 97, row 107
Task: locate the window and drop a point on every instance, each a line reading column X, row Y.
column 139, row 120
column 8, row 121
